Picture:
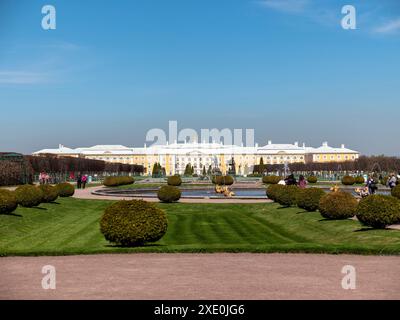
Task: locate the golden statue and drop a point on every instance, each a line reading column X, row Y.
column 335, row 188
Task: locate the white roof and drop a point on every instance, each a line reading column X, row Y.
column 197, row 148
column 325, row 148
column 61, row 150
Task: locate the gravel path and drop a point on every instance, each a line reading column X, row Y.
column 201, row 276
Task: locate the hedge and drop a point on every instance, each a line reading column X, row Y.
column 118, row 181
column 8, row 201
column 308, row 199
column 50, row 193
column 223, row 180
column 338, row 205
column 29, row 196
column 169, row 194
column 378, row 211
column 396, row 191
column 287, row 195
column 271, row 179
column 174, row 181
column 312, row 179
column 65, row 190
column 348, row 180
column 133, row 223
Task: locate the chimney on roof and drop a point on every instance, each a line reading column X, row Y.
column 256, row 145
column 304, row 145
column 296, row 143
column 60, row 146
column 269, row 142
column 325, row 143
column 342, row 146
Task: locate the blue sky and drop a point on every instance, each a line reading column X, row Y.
column 114, row 69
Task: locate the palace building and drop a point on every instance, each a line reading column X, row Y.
column 174, row 157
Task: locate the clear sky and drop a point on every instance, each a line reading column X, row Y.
column 112, row 70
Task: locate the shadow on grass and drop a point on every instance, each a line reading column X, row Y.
column 150, row 245
column 305, row 211
column 363, row 229
column 39, row 208
column 13, row 215
column 54, row 202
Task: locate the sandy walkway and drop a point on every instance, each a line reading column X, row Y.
column 201, row 276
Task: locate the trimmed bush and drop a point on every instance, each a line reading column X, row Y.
column 273, row 191
column 384, row 180
column 169, row 194
column 28, row 196
column 308, row 199
column 338, row 205
column 50, row 193
column 223, row 180
column 312, row 179
column 65, row 190
column 359, row 180
column 348, row 180
column 378, row 211
column 174, row 181
column 8, row 201
column 287, row 195
column 271, row 179
column 118, row 181
column 133, row 223
column 396, row 191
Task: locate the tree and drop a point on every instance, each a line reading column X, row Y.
column 261, row 167
column 188, row 170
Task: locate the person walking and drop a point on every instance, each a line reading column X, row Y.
column 84, row 180
column 79, row 181
column 372, row 185
column 392, row 181
column 302, row 182
column 42, row 177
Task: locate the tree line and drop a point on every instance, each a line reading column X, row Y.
column 22, row 169
column 381, row 164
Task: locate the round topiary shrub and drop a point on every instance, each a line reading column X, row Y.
column 359, row 180
column 287, row 195
column 28, row 196
column 8, row 201
column 174, row 181
column 308, row 199
column 348, row 180
column 65, row 190
column 312, row 179
column 169, row 194
column 378, row 211
column 384, row 180
column 271, row 179
column 338, row 205
column 118, row 181
column 223, row 180
column 273, row 191
column 133, row 223
column 396, row 191
column 50, row 193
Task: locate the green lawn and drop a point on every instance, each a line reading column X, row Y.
column 72, row 227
